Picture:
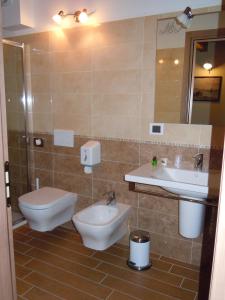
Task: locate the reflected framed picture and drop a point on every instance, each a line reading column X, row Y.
column 207, row 88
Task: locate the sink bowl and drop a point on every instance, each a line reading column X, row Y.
column 184, row 182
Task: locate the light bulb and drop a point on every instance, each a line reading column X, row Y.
column 208, row 66
column 58, row 17
column 161, row 61
column 176, row 61
column 83, row 17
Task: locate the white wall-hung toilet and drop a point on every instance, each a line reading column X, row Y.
column 47, row 208
column 101, row 225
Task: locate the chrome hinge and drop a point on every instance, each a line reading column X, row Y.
column 7, row 184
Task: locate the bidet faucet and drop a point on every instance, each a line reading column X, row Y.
column 198, row 161
column 111, row 198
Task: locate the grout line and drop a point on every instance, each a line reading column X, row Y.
column 110, row 294
column 27, row 290
column 182, row 281
column 65, row 284
column 44, row 291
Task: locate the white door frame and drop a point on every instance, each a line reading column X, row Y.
column 7, row 265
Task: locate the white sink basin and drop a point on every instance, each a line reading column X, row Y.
column 188, row 183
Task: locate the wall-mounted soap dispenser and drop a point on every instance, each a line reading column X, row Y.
column 90, row 155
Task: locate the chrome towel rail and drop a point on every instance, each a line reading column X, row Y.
column 209, row 201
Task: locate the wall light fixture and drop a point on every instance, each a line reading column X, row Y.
column 208, row 66
column 80, row 16
column 185, row 18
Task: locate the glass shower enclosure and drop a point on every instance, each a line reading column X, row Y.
column 16, row 109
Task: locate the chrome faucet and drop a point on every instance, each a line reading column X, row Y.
column 198, row 161
column 111, row 198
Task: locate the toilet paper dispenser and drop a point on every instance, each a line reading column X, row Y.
column 90, row 155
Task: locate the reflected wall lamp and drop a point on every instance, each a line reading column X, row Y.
column 208, row 66
column 80, row 16
column 185, row 18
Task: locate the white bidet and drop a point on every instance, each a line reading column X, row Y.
column 100, row 225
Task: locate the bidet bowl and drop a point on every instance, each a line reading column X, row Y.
column 100, row 225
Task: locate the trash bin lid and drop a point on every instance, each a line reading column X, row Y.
column 140, row 236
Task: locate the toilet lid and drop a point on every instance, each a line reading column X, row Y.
column 44, row 198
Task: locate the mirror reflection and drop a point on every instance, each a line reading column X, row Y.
column 208, row 84
column 178, row 90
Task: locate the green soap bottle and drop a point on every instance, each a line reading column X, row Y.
column 154, row 161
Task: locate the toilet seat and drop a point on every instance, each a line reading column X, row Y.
column 44, row 198
column 47, row 208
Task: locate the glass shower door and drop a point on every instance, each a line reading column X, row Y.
column 16, row 123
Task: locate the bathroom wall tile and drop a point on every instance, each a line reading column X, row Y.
column 68, row 164
column 72, row 103
column 150, row 26
column 45, row 177
column 116, row 104
column 73, row 183
column 77, row 82
column 40, row 63
column 149, row 52
column 78, row 123
column 196, row 253
column 172, row 247
column 43, row 160
column 158, row 222
column 122, row 151
column 71, row 40
column 70, row 61
column 83, row 202
column 118, row 32
column 42, row 103
column 117, row 82
column 112, row 170
column 116, row 127
column 42, row 122
column 40, row 83
column 126, row 56
column 162, row 205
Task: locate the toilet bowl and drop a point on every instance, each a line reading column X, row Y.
column 100, row 225
column 47, row 208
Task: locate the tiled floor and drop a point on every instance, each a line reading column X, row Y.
column 55, row 265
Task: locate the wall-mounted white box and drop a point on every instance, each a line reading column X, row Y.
column 64, row 138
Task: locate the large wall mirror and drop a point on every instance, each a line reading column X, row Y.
column 190, row 71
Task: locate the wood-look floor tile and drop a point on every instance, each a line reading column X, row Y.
column 115, row 260
column 63, row 243
column 161, row 265
column 57, row 288
column 66, row 234
column 22, row 286
column 21, row 271
column 24, row 229
column 21, row 247
column 190, row 284
column 156, row 285
column 119, row 296
column 21, row 259
column 37, row 294
column 187, row 273
column 179, row 263
column 67, row 265
column 70, row 279
column 21, row 237
column 133, row 290
column 60, row 251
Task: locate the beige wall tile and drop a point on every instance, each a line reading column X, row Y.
column 118, row 57
column 117, row 82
